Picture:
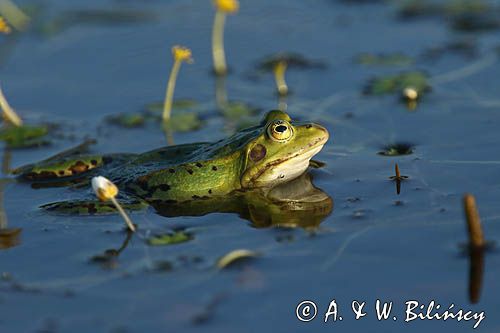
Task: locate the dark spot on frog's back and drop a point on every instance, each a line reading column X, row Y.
column 142, row 182
column 214, row 168
column 171, row 170
column 199, row 165
column 258, row 153
column 190, row 171
column 164, row 187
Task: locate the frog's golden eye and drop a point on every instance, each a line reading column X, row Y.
column 280, row 130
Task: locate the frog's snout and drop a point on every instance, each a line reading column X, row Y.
column 318, row 133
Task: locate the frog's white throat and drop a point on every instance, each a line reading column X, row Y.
column 287, row 170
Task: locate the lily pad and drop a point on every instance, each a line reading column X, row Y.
column 25, row 136
column 465, row 47
column 449, row 8
column 464, row 15
column 293, row 60
column 396, row 83
column 238, row 110
column 476, row 22
column 234, row 257
column 128, row 120
column 169, row 238
column 394, row 59
column 184, row 122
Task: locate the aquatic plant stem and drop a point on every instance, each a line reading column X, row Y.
column 8, row 113
column 219, row 57
column 169, row 93
column 279, row 77
column 14, row 15
column 128, row 222
column 476, row 237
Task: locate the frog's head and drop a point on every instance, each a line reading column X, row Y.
column 281, row 151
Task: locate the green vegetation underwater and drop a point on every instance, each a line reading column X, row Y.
column 348, row 153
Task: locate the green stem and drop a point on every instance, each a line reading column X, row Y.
column 219, row 56
column 169, row 94
column 128, row 222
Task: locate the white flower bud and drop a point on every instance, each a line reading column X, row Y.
column 104, row 188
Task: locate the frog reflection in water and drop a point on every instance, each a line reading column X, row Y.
column 198, row 178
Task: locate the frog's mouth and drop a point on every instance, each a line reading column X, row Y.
column 285, row 168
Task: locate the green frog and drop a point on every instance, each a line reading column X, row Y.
column 260, row 158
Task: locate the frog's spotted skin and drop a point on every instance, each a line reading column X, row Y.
column 261, row 157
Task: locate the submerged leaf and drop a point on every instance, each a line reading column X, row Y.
column 170, row 238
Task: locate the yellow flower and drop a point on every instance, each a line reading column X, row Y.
column 182, row 53
column 227, row 6
column 4, row 26
column 104, row 188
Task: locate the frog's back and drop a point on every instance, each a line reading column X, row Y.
column 186, row 172
column 154, row 161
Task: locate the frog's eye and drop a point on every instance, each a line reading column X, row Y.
column 280, row 130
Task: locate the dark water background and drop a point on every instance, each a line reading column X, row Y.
column 367, row 249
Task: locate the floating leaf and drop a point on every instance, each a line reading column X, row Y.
column 395, row 59
column 476, row 22
column 170, row 238
column 235, row 256
column 238, row 110
column 24, row 136
column 396, row 83
column 128, row 120
column 293, row 60
column 421, row 8
column 184, row 122
column 465, row 47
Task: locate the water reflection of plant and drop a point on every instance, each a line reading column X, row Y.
column 9, row 237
